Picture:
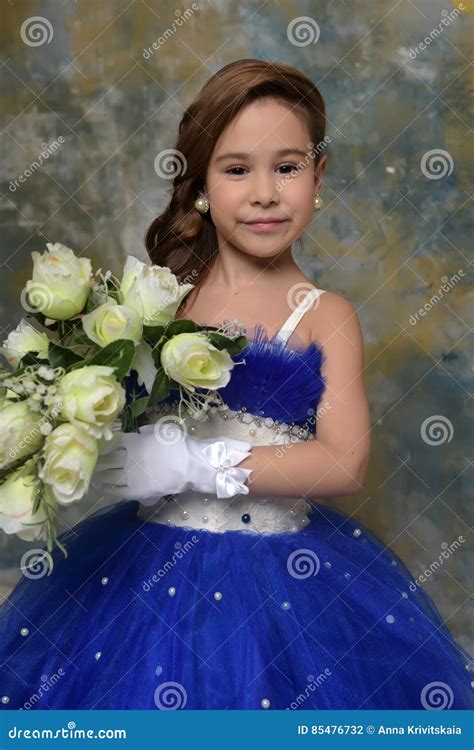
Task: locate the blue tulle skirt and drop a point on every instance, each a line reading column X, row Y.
column 150, row 616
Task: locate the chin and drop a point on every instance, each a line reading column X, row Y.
column 263, row 244
column 261, row 252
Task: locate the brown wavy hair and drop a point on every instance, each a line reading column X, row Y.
column 181, row 238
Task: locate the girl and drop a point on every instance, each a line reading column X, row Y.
column 218, row 581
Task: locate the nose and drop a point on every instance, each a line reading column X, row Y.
column 263, row 190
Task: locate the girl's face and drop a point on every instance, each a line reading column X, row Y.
column 262, row 168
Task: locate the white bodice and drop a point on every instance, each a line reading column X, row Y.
column 249, row 513
column 245, row 513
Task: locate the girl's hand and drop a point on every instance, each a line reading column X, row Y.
column 146, row 465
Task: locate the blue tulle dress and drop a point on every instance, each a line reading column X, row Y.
column 200, row 603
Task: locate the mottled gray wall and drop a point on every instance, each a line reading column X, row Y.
column 392, row 229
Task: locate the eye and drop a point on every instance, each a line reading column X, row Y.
column 232, row 171
column 290, row 167
column 235, row 170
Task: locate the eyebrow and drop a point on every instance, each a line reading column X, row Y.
column 282, row 152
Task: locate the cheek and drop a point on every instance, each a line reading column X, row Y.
column 223, row 198
column 299, row 196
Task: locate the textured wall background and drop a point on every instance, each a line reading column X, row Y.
column 391, row 235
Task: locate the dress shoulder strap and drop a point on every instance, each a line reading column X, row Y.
column 290, row 324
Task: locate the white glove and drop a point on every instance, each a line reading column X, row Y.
column 147, row 465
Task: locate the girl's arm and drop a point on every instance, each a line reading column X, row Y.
column 335, row 462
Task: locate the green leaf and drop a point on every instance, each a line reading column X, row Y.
column 14, row 466
column 207, row 328
column 70, row 326
column 16, row 372
column 30, row 359
column 233, row 346
column 114, row 294
column 60, row 356
column 82, row 339
column 113, row 289
column 37, row 502
column 39, row 316
column 90, row 305
column 180, row 326
column 119, row 355
column 61, row 547
column 138, row 406
column 160, row 389
column 156, row 351
column 153, row 333
column 78, row 365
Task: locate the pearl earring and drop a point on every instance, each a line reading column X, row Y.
column 201, row 204
column 318, row 202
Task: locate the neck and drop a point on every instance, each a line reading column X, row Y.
column 233, row 269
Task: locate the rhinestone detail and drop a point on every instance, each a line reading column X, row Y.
column 278, row 427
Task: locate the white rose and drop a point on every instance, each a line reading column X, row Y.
column 60, row 283
column 17, row 497
column 22, row 340
column 190, row 359
column 153, row 291
column 111, row 322
column 91, row 398
column 144, row 365
column 20, row 433
column 132, row 269
column 70, row 458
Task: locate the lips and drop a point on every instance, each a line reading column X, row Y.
column 265, row 225
column 265, row 221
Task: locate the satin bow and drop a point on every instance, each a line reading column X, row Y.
column 229, row 480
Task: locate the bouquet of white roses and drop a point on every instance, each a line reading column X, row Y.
column 67, row 387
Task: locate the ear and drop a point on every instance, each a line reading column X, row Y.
column 319, row 171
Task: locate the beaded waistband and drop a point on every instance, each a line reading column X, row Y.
column 241, row 513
